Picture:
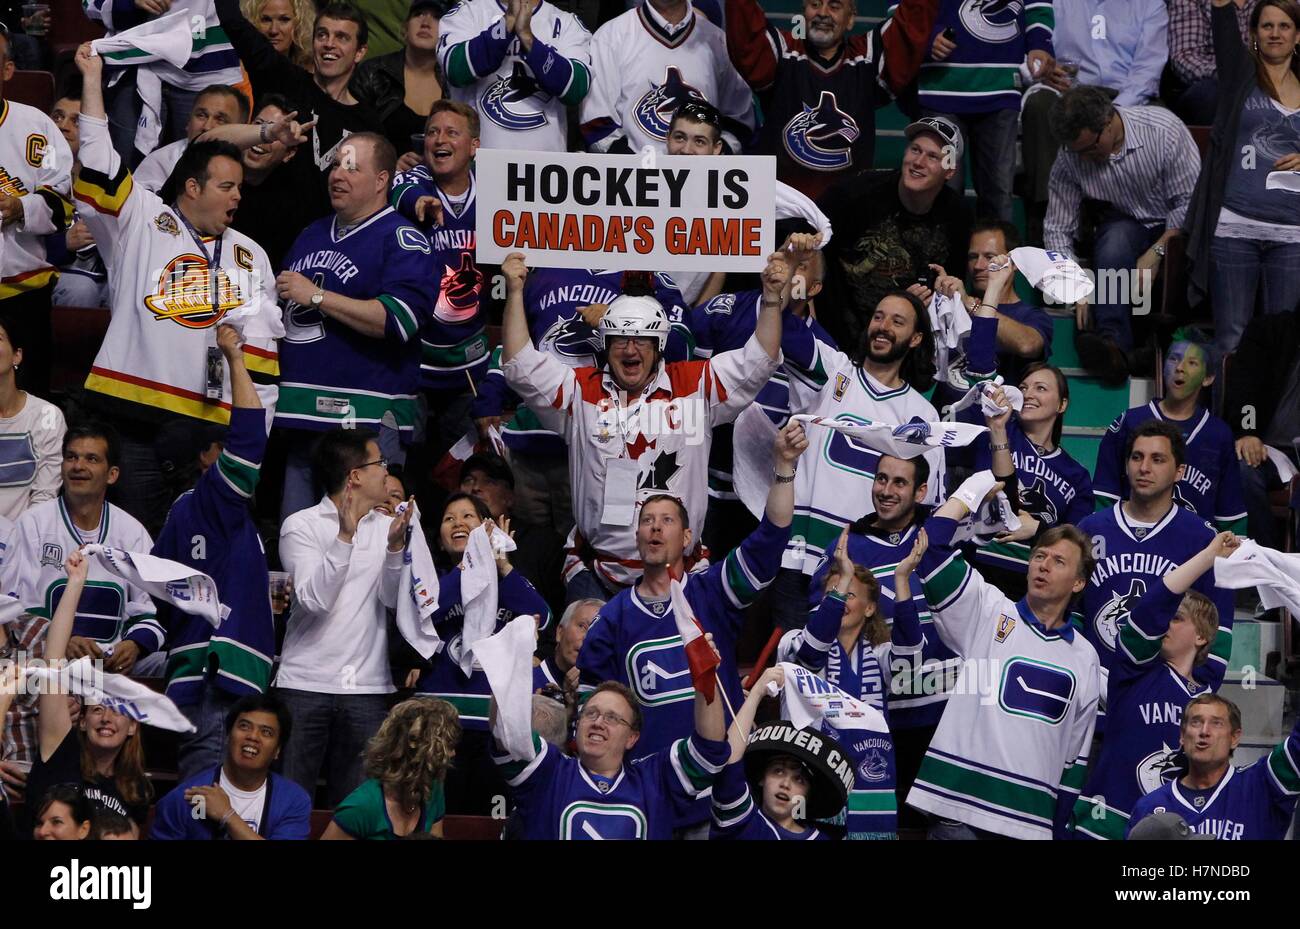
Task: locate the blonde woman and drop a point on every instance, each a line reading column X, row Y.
column 287, row 25
column 406, row 763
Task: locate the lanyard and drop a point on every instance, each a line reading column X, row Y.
column 213, row 260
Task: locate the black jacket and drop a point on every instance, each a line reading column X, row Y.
column 1236, row 82
column 1258, row 371
column 380, row 83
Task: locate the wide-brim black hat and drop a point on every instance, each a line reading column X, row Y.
column 830, row 773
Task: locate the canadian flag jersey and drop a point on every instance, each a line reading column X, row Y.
column 661, row 438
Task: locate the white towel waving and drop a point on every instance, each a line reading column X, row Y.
column 1056, row 275
column 909, row 440
column 11, row 609
column 808, row 701
column 507, row 660
column 185, row 588
column 478, row 589
column 1276, row 574
column 116, row 691
column 950, row 322
column 417, row 597
column 168, row 38
column 982, row 393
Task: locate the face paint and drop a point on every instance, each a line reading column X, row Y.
column 1185, row 370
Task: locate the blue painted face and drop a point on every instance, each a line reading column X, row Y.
column 1186, row 370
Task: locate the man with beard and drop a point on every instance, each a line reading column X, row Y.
column 890, row 226
column 819, row 94
column 883, row 383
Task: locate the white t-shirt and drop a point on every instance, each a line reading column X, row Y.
column 247, row 805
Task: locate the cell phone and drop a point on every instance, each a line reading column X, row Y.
column 950, row 34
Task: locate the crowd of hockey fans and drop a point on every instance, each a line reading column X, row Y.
column 868, row 591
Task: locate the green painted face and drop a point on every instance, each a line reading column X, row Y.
column 1186, row 370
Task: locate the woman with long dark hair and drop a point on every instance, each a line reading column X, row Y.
column 103, row 755
column 1243, row 236
column 473, row 784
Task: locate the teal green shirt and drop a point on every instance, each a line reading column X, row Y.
column 363, row 814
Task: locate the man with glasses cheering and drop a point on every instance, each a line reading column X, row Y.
column 345, row 558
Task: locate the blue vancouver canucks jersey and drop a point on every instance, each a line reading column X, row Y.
column 331, row 375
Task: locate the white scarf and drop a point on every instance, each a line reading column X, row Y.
column 116, row 691
column 478, row 589
column 986, row 519
column 507, row 660
column 185, row 588
column 168, row 38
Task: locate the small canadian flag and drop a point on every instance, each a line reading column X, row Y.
column 700, row 656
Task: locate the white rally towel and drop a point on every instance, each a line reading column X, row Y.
column 808, row 701
column 1283, row 180
column 1056, row 275
column 185, row 588
column 752, row 439
column 910, row 440
column 1276, row 575
column 1285, row 469
column 791, row 204
column 116, row 691
column 950, row 322
column 982, row 393
column 168, row 38
column 987, row 519
column 478, row 589
column 507, row 660
column 11, row 609
column 417, row 598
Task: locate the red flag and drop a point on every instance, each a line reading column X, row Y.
column 700, row 656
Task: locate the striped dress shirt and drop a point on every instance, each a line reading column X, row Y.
column 1150, row 179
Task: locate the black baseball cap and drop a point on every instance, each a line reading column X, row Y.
column 438, row 8
column 493, row 465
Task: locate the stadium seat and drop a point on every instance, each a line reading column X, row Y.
column 34, row 88
column 69, row 26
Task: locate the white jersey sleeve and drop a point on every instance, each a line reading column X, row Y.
column 743, row 372
column 601, row 112
column 965, row 608
column 541, row 381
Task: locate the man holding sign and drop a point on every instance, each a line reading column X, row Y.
column 637, row 426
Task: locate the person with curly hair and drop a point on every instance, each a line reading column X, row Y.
column 287, row 25
column 406, row 763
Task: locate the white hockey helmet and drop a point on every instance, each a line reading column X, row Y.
column 634, row 317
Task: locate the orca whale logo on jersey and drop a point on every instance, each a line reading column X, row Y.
column 1036, row 689
column 459, row 292
column 1115, row 610
column 1152, row 768
column 1180, row 500
column 654, row 111
column 185, row 293
column 821, row 137
column 991, row 20
column 305, row 323
column 1036, row 503
column 873, row 767
column 499, row 100
column 596, row 821
column 914, row 432
column 571, row 339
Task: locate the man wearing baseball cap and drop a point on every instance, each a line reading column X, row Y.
column 890, row 226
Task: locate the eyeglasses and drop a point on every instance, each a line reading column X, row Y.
column 591, row 714
column 382, row 462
